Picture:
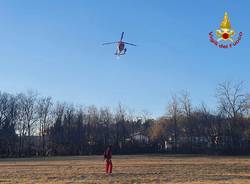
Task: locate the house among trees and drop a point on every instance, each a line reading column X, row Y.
column 139, row 137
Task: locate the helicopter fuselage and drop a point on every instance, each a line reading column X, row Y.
column 121, row 50
column 121, row 46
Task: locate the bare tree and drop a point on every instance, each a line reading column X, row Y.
column 28, row 116
column 120, row 113
column 186, row 107
column 233, row 104
column 232, row 101
column 121, row 131
column 56, row 130
column 145, row 115
column 174, row 113
column 7, row 124
column 106, row 118
column 247, row 107
column 3, row 108
column 158, row 130
column 44, row 112
column 186, row 104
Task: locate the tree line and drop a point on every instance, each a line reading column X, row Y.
column 31, row 125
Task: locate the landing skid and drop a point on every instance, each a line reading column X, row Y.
column 119, row 54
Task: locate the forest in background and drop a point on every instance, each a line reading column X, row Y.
column 31, row 125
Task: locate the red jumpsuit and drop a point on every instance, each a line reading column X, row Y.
column 108, row 156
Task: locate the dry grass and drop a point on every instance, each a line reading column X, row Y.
column 127, row 169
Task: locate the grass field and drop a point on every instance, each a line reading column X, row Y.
column 127, row 169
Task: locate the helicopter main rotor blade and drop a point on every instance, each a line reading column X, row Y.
column 108, row 43
column 130, row 43
column 122, row 36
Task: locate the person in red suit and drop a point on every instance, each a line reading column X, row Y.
column 107, row 157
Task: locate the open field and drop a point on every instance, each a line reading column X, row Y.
column 127, row 169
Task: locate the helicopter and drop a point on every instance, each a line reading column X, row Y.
column 121, row 50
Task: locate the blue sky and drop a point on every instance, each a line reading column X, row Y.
column 54, row 47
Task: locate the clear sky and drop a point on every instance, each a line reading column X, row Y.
column 54, row 47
